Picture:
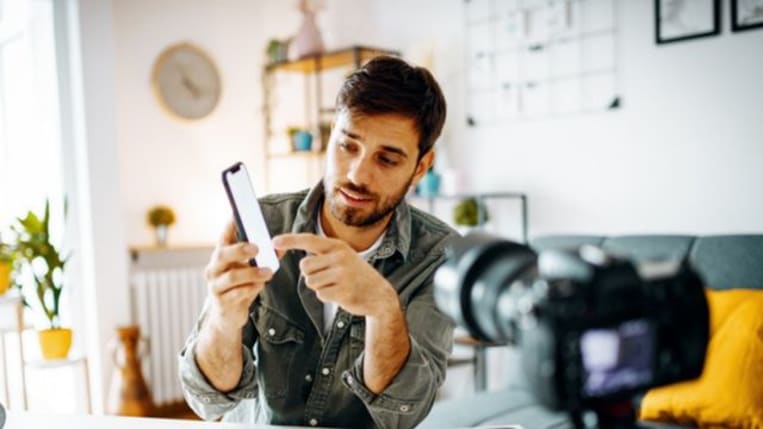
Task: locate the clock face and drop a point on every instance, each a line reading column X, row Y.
column 186, row 81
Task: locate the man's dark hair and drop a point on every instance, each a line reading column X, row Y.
column 390, row 85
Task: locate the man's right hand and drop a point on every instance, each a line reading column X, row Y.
column 231, row 282
column 233, row 285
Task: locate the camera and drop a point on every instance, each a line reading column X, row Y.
column 593, row 329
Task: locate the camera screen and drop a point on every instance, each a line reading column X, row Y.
column 617, row 358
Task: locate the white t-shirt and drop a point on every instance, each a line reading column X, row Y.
column 329, row 308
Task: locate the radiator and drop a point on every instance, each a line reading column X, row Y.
column 168, row 292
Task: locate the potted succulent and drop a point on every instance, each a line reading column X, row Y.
column 161, row 218
column 44, row 264
column 469, row 213
column 277, row 50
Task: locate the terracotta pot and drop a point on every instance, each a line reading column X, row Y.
column 55, row 343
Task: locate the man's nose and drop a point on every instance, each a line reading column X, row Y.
column 361, row 171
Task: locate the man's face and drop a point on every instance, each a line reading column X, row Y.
column 371, row 163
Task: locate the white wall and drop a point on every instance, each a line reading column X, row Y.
column 682, row 155
column 168, row 160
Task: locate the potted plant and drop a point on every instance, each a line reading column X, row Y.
column 45, row 265
column 469, row 213
column 161, row 218
column 301, row 139
column 7, row 257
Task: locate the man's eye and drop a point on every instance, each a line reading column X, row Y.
column 388, row 161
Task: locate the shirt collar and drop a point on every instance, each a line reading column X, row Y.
column 397, row 238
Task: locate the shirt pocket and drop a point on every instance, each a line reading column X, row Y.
column 278, row 342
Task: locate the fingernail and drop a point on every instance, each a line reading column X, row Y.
column 276, row 241
column 251, row 247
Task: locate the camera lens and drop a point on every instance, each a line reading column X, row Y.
column 481, row 282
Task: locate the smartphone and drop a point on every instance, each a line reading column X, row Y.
column 248, row 215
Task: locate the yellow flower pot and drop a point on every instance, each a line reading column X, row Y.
column 55, row 343
column 5, row 277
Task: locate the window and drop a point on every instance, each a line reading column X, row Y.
column 30, row 140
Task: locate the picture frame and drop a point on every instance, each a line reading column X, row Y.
column 676, row 20
column 746, row 15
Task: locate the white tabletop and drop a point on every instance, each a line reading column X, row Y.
column 24, row 420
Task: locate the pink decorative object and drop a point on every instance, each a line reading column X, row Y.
column 308, row 40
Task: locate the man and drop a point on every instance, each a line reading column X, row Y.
column 346, row 332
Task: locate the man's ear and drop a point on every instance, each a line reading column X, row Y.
column 423, row 166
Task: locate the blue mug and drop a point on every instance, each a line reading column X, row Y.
column 303, row 141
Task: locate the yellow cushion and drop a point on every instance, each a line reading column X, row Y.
column 730, row 391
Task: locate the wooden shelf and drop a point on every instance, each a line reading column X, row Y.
column 352, row 56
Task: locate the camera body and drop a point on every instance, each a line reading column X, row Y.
column 593, row 329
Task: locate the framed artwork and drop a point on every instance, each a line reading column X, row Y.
column 746, row 14
column 677, row 20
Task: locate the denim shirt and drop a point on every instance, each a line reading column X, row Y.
column 298, row 374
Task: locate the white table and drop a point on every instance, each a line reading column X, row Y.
column 25, row 420
column 81, row 362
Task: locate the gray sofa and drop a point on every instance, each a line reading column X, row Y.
column 723, row 261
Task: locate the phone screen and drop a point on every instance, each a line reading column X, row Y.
column 249, row 220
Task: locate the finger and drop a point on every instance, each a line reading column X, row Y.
column 238, row 277
column 308, row 242
column 315, row 263
column 280, row 253
column 322, row 279
column 229, row 233
column 226, row 257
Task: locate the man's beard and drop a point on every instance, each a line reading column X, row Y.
column 353, row 216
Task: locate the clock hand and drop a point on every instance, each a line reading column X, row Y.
column 188, row 83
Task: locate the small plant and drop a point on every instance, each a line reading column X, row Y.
column 292, row 131
column 277, row 50
column 43, row 260
column 160, row 216
column 470, row 212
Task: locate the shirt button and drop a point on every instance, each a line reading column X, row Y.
column 349, row 380
column 404, row 408
column 271, row 332
column 313, row 422
column 325, row 371
column 340, row 324
column 308, row 378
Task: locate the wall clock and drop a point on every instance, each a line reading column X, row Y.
column 186, row 81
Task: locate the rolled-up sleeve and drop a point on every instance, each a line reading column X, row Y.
column 203, row 398
column 411, row 394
